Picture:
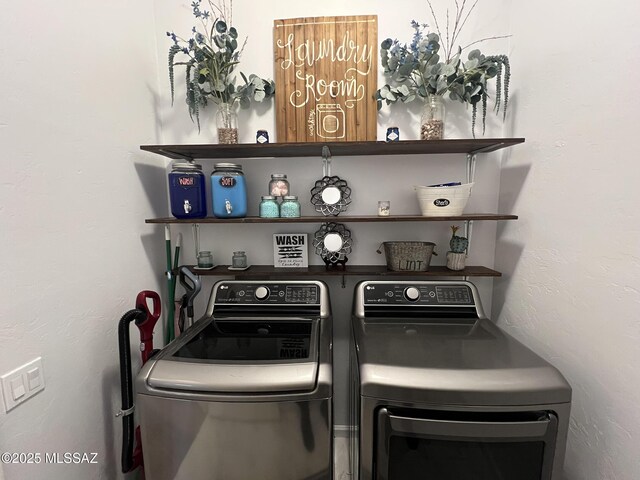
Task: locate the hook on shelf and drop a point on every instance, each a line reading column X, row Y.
column 326, row 161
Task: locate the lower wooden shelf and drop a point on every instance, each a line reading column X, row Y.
column 262, row 271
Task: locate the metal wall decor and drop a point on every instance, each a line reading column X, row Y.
column 331, row 195
column 332, row 243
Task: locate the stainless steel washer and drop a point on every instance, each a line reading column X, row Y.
column 439, row 391
column 247, row 391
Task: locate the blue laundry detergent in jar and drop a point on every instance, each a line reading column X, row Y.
column 228, row 191
column 187, row 191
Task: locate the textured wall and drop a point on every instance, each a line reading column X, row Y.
column 78, row 97
column 572, row 284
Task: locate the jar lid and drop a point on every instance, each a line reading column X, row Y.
column 290, row 197
column 187, row 166
column 227, row 166
column 241, row 252
column 268, row 197
column 278, row 175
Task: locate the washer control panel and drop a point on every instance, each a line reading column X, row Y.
column 268, row 293
column 417, row 294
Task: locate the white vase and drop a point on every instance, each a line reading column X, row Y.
column 456, row 261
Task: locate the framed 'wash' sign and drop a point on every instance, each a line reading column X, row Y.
column 326, row 73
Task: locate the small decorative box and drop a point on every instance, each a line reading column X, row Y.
column 393, row 134
column 262, row 136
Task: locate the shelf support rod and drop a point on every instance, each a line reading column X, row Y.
column 196, row 237
column 468, row 230
column 471, row 167
column 326, row 161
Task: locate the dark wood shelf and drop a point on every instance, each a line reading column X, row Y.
column 338, row 219
column 407, row 147
column 350, row 270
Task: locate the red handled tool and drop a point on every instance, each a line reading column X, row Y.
column 145, row 320
column 147, row 324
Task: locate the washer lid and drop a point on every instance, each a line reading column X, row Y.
column 241, row 355
column 470, row 363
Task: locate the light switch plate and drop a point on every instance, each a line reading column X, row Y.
column 22, row 383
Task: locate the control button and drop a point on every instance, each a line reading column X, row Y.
column 390, row 294
column 281, row 293
column 241, row 293
column 262, row 293
column 432, row 294
column 412, row 294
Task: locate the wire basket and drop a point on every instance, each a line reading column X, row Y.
column 408, row 256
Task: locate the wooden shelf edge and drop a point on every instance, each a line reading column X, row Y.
column 350, row 270
column 343, row 219
column 314, row 149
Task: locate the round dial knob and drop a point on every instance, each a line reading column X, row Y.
column 412, row 294
column 262, row 293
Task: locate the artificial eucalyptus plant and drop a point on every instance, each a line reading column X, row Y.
column 418, row 69
column 210, row 58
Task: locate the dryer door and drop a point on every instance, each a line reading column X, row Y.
column 450, row 445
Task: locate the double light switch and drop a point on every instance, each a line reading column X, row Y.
column 22, row 383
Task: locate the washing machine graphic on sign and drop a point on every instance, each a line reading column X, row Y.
column 330, row 121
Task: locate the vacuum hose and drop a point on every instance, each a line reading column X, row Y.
column 126, row 387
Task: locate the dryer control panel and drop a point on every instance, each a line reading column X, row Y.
column 417, row 294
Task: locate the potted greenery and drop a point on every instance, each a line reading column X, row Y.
column 417, row 70
column 210, row 61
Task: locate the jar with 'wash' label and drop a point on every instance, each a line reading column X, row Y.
column 187, row 191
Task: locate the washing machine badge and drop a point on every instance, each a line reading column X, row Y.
column 330, row 121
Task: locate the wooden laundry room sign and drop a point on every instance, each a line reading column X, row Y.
column 326, row 73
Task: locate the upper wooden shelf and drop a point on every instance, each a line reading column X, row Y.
column 338, row 219
column 407, row 147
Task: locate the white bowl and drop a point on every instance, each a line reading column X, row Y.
column 443, row 201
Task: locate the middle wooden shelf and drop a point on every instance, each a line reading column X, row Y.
column 337, row 219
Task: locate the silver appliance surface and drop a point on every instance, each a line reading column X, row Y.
column 246, row 392
column 428, row 366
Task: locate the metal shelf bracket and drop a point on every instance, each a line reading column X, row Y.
column 471, row 167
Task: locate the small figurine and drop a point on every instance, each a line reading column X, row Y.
column 457, row 255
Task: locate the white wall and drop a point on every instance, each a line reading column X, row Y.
column 78, row 97
column 572, row 289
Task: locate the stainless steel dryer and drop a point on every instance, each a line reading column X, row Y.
column 245, row 393
column 441, row 392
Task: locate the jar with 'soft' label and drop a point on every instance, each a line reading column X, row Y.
column 187, row 191
column 290, row 207
column 228, row 191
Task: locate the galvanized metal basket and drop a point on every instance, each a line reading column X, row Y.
column 408, row 256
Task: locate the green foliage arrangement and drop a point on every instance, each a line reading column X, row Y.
column 211, row 59
column 418, row 70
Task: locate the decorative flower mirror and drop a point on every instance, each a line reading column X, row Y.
column 333, row 242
